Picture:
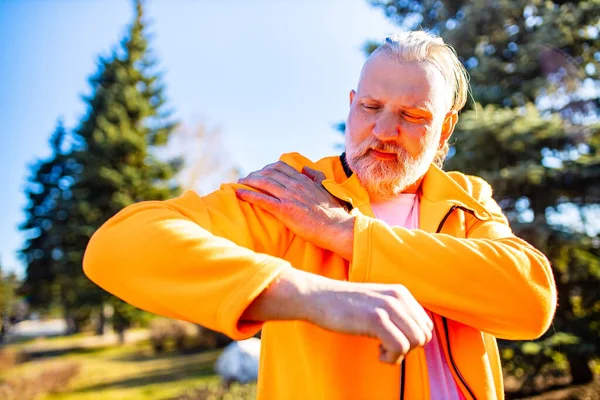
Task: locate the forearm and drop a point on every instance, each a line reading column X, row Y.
column 292, row 295
column 501, row 286
column 386, row 312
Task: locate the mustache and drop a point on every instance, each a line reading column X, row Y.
column 376, row 144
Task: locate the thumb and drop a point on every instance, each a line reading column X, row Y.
column 313, row 174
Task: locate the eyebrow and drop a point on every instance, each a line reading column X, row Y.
column 420, row 110
column 424, row 109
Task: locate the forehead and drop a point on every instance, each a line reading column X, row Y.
column 411, row 83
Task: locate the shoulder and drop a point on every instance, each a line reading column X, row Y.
column 475, row 186
column 330, row 166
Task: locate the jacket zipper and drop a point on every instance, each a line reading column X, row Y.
column 402, row 370
column 444, row 319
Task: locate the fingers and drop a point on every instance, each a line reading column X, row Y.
column 271, row 185
column 282, row 168
column 313, row 174
column 261, row 200
column 394, row 343
column 269, row 180
column 275, row 178
column 410, row 326
column 409, row 306
column 410, row 322
column 421, row 318
column 280, row 180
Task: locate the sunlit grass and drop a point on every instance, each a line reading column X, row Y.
column 126, row 372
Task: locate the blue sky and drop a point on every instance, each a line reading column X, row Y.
column 272, row 75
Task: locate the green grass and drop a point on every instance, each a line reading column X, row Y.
column 126, row 372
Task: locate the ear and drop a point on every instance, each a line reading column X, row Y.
column 352, row 94
column 448, row 127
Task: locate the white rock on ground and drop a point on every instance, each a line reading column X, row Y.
column 239, row 361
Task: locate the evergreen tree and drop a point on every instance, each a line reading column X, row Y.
column 126, row 123
column 535, row 70
column 514, row 50
column 108, row 162
column 47, row 228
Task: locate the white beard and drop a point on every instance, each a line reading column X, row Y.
column 387, row 178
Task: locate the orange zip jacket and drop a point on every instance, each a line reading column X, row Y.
column 205, row 259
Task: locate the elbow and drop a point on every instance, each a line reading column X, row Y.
column 91, row 261
column 97, row 265
column 544, row 300
column 529, row 320
column 539, row 303
column 533, row 302
column 537, row 312
column 540, row 316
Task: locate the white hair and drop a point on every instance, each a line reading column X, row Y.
column 423, row 46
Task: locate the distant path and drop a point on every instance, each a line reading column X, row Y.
column 40, row 331
column 37, row 328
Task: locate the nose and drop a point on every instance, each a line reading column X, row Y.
column 386, row 127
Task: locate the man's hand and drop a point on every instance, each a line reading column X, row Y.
column 302, row 204
column 385, row 312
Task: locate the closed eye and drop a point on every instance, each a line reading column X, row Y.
column 371, row 106
column 413, row 117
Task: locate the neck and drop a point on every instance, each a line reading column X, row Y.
column 410, row 189
column 414, row 188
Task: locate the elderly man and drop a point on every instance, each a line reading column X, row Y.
column 373, row 275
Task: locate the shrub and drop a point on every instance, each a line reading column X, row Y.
column 53, row 379
column 183, row 336
column 166, row 333
column 220, row 391
column 10, row 357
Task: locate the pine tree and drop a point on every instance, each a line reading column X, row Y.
column 110, row 161
column 534, row 135
column 125, row 126
column 47, row 228
column 515, row 50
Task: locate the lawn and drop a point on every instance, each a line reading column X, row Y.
column 131, row 371
column 134, row 371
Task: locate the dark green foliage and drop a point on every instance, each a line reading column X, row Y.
column 535, row 136
column 511, row 47
column 547, row 183
column 46, row 251
column 125, row 124
column 111, row 162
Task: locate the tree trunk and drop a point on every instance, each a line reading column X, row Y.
column 121, row 335
column 580, row 369
column 2, row 330
column 101, row 326
column 70, row 322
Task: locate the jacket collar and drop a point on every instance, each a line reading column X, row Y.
column 439, row 193
column 439, row 187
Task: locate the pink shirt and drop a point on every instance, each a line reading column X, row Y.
column 403, row 210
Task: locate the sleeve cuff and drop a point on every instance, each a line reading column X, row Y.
column 234, row 306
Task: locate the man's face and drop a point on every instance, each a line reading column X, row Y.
column 398, row 120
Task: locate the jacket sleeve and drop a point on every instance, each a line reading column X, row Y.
column 200, row 259
column 491, row 280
